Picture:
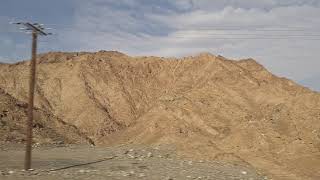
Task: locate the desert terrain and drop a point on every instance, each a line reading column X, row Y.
column 225, row 116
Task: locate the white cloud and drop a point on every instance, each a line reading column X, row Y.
column 186, row 27
column 176, row 28
column 248, row 4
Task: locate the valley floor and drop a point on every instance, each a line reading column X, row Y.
column 121, row 162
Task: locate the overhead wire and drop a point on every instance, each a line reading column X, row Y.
column 219, row 32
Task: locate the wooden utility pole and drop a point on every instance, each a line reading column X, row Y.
column 27, row 162
column 35, row 29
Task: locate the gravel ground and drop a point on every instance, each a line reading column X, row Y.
column 124, row 162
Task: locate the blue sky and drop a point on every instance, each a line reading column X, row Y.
column 283, row 35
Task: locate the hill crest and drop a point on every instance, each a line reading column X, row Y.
column 205, row 105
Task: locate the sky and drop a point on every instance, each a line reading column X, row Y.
column 282, row 35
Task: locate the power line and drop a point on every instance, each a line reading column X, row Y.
column 231, row 34
column 249, row 38
column 252, row 30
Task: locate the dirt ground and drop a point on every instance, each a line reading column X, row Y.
column 122, row 162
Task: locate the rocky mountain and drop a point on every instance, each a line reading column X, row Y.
column 209, row 107
column 47, row 128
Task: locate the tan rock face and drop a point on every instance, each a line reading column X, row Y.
column 208, row 106
column 47, row 128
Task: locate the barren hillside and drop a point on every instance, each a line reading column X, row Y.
column 208, row 106
column 47, row 128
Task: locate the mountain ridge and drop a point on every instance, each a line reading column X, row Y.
column 205, row 105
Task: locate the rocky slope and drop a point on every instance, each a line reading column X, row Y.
column 206, row 105
column 47, row 128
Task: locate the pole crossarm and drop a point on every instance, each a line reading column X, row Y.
column 34, row 27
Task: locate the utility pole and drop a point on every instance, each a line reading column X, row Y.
column 35, row 29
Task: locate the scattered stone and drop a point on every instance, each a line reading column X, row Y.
column 125, row 174
column 244, row 172
column 10, row 172
column 143, row 167
column 34, row 173
column 126, row 168
column 84, row 171
column 60, row 142
column 131, row 156
column 149, row 155
column 36, row 145
column 126, row 152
